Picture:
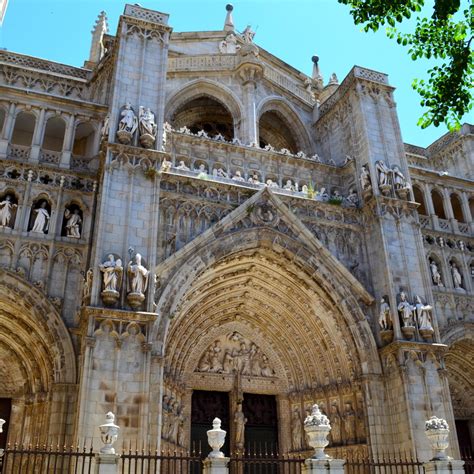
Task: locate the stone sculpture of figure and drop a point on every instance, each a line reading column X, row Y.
column 41, row 222
column 383, row 172
column 349, row 424
column 304, row 189
column 137, row 276
column 104, row 131
column 238, row 176
column 182, row 431
column 182, row 166
column 221, row 173
column 352, row 199
column 6, row 209
column 255, row 358
column 335, row 419
column 323, row 195
column 166, row 165
column 111, row 273
column 229, row 45
column 202, row 172
column 289, row 186
column 248, row 34
column 165, row 416
column 174, row 425
column 271, row 184
column 267, row 371
column 435, row 274
column 227, row 363
column 254, row 179
column 399, row 180
column 406, row 310
column 87, row 288
column 146, row 122
column 73, row 223
column 423, row 314
column 385, row 320
column 365, row 178
column 457, row 277
column 205, row 362
column 239, row 420
column 128, row 122
column 214, row 357
column 296, row 429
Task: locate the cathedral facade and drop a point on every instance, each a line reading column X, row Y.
column 192, row 228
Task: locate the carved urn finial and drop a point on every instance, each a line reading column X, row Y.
column 317, row 428
column 229, row 21
column 437, row 432
column 109, row 434
column 216, row 439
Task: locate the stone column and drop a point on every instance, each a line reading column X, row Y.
column 68, row 142
column 37, row 136
column 216, row 462
column 7, row 130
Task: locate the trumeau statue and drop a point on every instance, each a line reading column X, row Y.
column 385, row 320
column 73, row 223
column 435, row 274
column 240, row 421
column 112, row 271
column 127, row 125
column 137, row 281
column 6, row 210
column 146, row 127
column 41, row 222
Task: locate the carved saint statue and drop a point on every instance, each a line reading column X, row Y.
column 289, row 185
column 229, row 45
column 41, row 222
column 182, row 166
column 383, row 172
column 137, row 275
column 248, row 34
column 435, row 274
column 352, row 199
column 146, row 122
column 238, row 176
column 73, row 223
column 111, row 273
column 399, row 180
column 365, row 178
column 335, row 424
column 87, row 288
column 406, row 310
column 128, row 122
column 423, row 314
column 239, row 421
column 296, row 429
column 457, row 277
column 6, row 209
column 385, row 320
column 349, row 424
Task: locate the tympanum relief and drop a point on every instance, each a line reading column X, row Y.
column 232, row 353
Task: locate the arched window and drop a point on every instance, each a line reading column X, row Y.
column 420, row 199
column 53, row 138
column 438, row 205
column 84, row 140
column 23, row 129
column 273, row 130
column 205, row 113
column 457, row 208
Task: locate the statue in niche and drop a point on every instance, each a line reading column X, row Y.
column 41, row 222
column 254, row 179
column 174, row 423
column 166, row 406
column 229, row 45
column 182, row 166
column 127, row 125
column 240, row 421
column 238, row 176
column 296, row 429
column 399, row 182
column 73, row 223
column 202, row 172
column 220, row 173
column 7, row 207
column 352, row 200
column 364, row 179
column 87, row 288
column 349, row 424
column 146, row 127
column 457, row 277
column 435, row 274
column 385, row 319
column 289, row 185
column 406, row 310
column 335, row 419
column 182, row 431
column 422, row 314
column 383, row 172
column 137, row 281
column 112, row 271
column 104, row 131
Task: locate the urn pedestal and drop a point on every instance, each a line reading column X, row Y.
column 317, row 428
column 408, row 332
column 135, row 300
column 386, row 335
column 385, row 189
column 427, row 333
column 110, row 297
column 124, row 137
column 147, row 140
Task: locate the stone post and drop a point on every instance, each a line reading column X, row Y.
column 437, row 432
column 106, row 461
column 317, row 428
column 216, row 462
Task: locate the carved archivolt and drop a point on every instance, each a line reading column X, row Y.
column 233, row 353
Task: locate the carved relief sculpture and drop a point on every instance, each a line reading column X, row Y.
column 112, row 271
column 229, row 45
column 435, row 274
column 335, row 425
column 41, row 223
column 147, row 127
column 7, row 207
column 365, row 182
column 137, row 281
column 128, row 125
column 73, row 223
column 239, row 423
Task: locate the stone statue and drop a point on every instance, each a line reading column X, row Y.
column 399, row 181
column 349, row 424
column 182, row 431
column 304, row 189
column 87, row 288
column 127, row 125
column 104, row 131
column 221, row 173
column 228, row 363
column 364, row 179
column 254, row 179
column 435, row 274
column 73, row 223
column 112, row 271
column 214, row 359
column 423, row 314
column 248, row 34
column 323, row 195
column 238, row 176
column 41, row 223
column 383, row 172
column 267, row 371
column 289, row 186
column 271, row 184
column 6, row 210
column 352, row 200
column 182, row 166
column 335, row 424
column 174, row 423
column 385, row 320
column 147, row 127
column 296, row 429
column 202, row 172
column 137, row 281
column 406, row 310
column 166, row 165
column 457, row 277
column 239, row 420
column 229, row 45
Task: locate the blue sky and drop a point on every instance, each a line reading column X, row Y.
column 294, row 31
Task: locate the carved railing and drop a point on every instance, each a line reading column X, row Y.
column 444, row 224
column 50, row 157
column 81, row 163
column 463, row 228
column 425, row 221
column 18, row 152
column 288, row 84
column 206, row 62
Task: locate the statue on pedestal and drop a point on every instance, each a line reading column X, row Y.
column 147, row 127
column 239, row 420
column 7, row 207
column 41, row 223
column 128, row 124
column 137, row 281
column 112, row 271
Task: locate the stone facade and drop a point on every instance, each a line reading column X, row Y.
column 187, row 212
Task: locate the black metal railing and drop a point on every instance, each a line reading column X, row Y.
column 385, row 464
column 468, row 459
column 33, row 459
column 264, row 460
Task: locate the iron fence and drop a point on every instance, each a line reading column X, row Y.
column 468, row 459
column 44, row 459
column 265, row 461
column 385, row 464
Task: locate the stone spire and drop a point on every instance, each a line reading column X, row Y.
column 98, row 32
column 229, row 21
column 317, row 76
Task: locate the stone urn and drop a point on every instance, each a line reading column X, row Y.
column 109, row 434
column 216, row 439
column 437, row 432
column 135, row 300
column 317, row 428
column 110, row 297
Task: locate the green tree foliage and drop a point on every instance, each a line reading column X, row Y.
column 447, row 37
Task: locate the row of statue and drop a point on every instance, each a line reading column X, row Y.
column 417, row 314
column 352, row 200
column 40, row 217
column 129, row 123
column 455, row 274
column 173, row 426
column 387, row 179
column 112, row 276
column 232, row 354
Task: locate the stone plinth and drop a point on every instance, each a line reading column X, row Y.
column 216, row 466
column 106, row 463
column 320, row 466
column 450, row 466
